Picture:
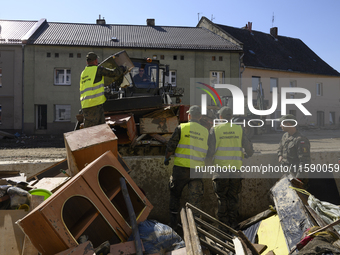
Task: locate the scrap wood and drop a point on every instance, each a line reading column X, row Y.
column 12, row 237
column 51, row 171
column 28, row 248
column 260, row 247
column 158, row 125
column 164, row 113
column 293, row 215
column 258, row 217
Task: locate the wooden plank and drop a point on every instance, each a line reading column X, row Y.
column 51, row 171
column 260, row 247
column 82, row 249
column 51, row 184
column 28, row 248
column 12, row 238
column 195, row 241
column 249, row 245
column 158, row 125
column 186, row 232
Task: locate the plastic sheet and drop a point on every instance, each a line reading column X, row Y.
column 327, row 211
column 158, row 238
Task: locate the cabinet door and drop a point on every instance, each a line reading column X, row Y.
column 103, row 176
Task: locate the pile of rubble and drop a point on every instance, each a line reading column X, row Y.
column 89, row 204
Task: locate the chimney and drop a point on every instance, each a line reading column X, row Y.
column 249, row 26
column 101, row 21
column 273, row 32
column 150, row 22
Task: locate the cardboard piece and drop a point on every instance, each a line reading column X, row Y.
column 12, row 238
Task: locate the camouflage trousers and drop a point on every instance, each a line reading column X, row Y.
column 227, row 192
column 93, row 116
column 179, row 179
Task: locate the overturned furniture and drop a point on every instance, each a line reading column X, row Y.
column 198, row 233
column 91, row 204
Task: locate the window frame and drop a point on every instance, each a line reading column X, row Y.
column 55, row 80
column 254, row 89
column 171, row 76
column 215, row 73
column 67, row 114
column 319, row 89
column 271, row 84
column 0, row 77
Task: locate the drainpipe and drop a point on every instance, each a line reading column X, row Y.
column 22, row 88
column 241, row 72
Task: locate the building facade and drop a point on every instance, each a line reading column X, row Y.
column 55, row 54
column 278, row 62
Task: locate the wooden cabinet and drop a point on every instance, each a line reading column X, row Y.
column 91, row 203
column 85, row 145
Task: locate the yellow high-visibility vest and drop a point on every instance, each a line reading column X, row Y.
column 193, row 145
column 228, row 145
column 91, row 94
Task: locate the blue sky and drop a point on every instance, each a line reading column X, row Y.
column 315, row 22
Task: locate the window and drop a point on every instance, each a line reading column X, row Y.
column 255, row 81
column 154, row 57
column 78, row 55
column 292, row 84
column 213, row 58
column 62, row 77
column 173, row 77
column 220, row 58
column 216, row 77
column 273, row 83
column 182, row 57
column 70, row 55
column 0, row 77
column 0, row 114
column 62, row 112
column 319, row 89
column 48, row 54
column 162, row 56
column 56, row 55
column 175, row 57
column 331, row 118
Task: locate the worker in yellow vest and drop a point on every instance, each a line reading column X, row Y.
column 92, row 95
column 189, row 143
column 226, row 143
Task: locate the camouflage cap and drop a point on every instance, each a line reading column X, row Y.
column 91, row 56
column 194, row 111
column 287, row 117
column 225, row 112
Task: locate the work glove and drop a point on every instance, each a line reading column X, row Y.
column 166, row 161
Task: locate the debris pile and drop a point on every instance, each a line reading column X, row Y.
column 89, row 204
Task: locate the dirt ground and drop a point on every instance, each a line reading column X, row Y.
column 53, row 147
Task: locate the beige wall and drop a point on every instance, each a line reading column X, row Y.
column 40, row 88
column 328, row 102
column 11, row 90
